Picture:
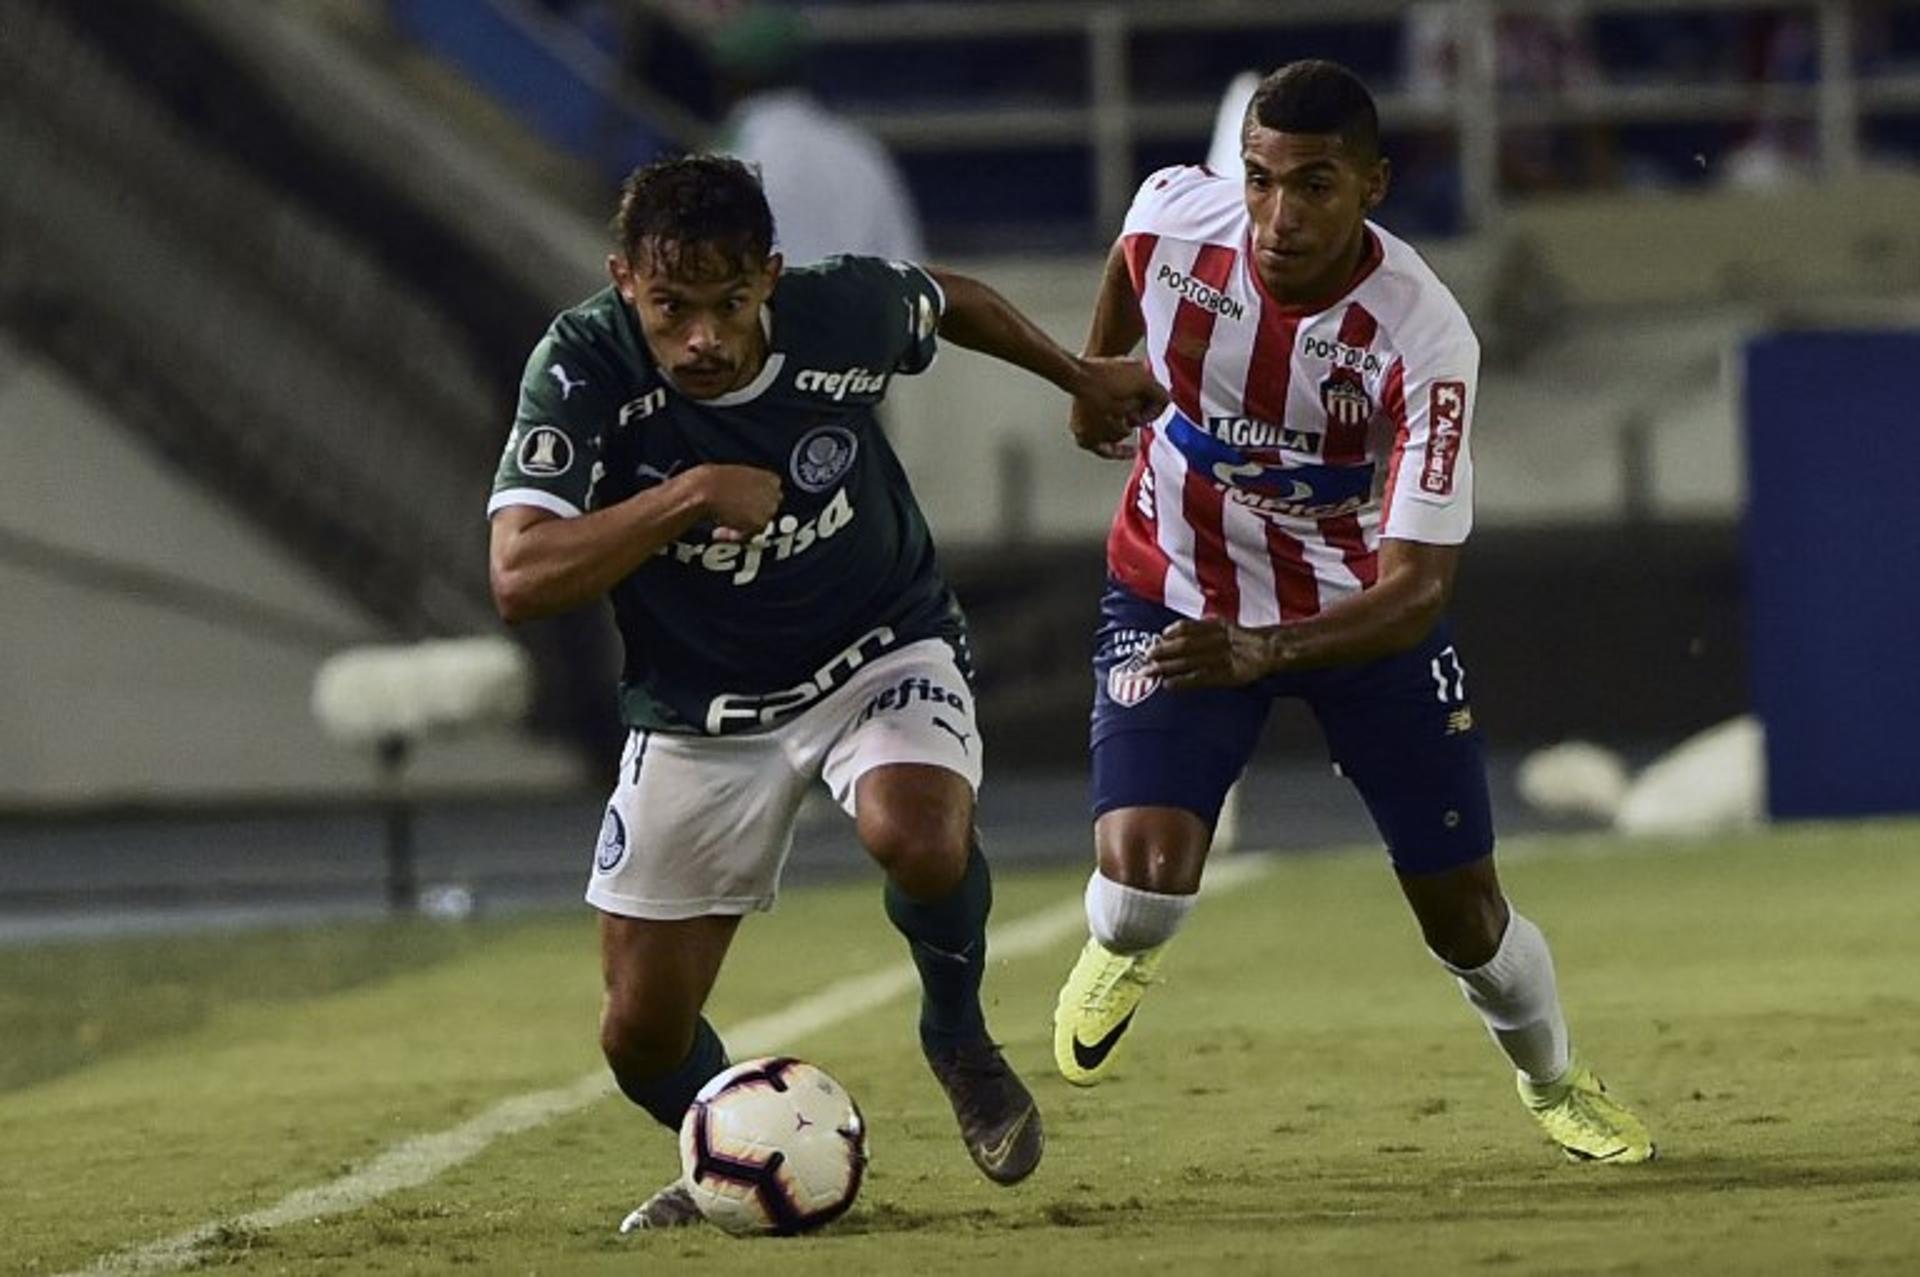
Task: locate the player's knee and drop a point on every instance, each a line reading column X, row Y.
column 1468, row 935
column 924, row 850
column 642, row 1042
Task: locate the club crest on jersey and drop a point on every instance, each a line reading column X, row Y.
column 822, row 457
column 544, row 453
column 1345, row 399
column 612, row 846
column 1131, row 682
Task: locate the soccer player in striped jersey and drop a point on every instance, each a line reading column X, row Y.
column 1291, row 528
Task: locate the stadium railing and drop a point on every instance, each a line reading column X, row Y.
column 1096, row 111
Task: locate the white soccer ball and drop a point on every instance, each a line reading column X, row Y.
column 773, row 1146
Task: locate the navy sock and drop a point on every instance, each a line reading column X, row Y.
column 667, row 1098
column 948, row 939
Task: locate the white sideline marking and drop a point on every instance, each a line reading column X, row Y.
column 414, row 1161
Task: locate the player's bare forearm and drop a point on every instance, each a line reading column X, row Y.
column 981, row 319
column 1111, row 397
column 1395, row 613
column 540, row 565
column 1117, row 325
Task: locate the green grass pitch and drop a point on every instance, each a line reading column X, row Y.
column 1307, row 1093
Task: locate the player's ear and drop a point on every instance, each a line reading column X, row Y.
column 622, row 272
column 771, row 272
column 1378, row 182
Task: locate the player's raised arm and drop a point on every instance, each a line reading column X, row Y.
column 1112, row 396
column 1117, row 325
column 1116, row 329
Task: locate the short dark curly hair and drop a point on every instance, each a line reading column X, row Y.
column 712, row 204
column 1316, row 96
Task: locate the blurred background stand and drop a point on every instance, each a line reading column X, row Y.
column 391, row 698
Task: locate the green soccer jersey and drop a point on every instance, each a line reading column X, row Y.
column 724, row 637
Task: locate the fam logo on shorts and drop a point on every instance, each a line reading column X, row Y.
column 545, row 453
column 822, row 457
column 612, row 848
column 1131, row 682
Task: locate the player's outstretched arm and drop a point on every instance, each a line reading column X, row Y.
column 1112, row 396
column 1395, row 613
column 1116, row 329
column 540, row 564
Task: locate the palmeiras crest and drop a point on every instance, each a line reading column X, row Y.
column 823, row 457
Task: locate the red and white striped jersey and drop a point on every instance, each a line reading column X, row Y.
column 1295, row 439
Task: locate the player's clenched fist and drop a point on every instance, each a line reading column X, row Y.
column 1210, row 654
column 741, row 500
column 1115, row 397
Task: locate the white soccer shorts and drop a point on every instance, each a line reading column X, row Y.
column 703, row 824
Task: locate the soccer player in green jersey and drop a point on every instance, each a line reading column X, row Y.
column 698, row 443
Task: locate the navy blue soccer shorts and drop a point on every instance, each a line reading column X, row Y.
column 1399, row 728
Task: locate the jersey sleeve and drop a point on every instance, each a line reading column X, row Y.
column 1188, row 203
column 889, row 310
column 1430, row 395
column 553, row 452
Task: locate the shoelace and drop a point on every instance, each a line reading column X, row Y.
column 1111, row 974
column 1585, row 1113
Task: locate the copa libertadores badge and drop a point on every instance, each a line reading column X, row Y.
column 822, row 457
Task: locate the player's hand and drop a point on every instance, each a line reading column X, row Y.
column 1208, row 654
column 740, row 500
column 1114, row 398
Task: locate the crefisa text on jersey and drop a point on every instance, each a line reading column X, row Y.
column 838, row 385
column 786, row 537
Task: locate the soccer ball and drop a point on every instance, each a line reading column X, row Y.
column 773, row 1146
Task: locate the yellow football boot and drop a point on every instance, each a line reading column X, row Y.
column 1096, row 1008
column 1588, row 1124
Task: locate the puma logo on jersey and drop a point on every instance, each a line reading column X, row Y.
column 785, row 538
column 645, row 471
column 567, row 384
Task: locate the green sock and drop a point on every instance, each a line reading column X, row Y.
column 668, row 1098
column 948, row 939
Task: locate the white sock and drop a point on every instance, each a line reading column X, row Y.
column 1515, row 993
column 1128, row 920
